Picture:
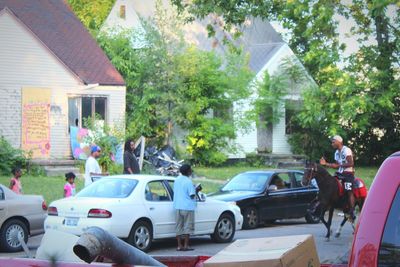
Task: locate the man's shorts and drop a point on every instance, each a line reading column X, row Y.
column 184, row 222
column 348, row 179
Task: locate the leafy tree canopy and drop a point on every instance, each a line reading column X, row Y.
column 92, row 13
column 173, row 85
column 361, row 100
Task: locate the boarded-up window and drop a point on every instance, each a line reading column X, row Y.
column 122, row 11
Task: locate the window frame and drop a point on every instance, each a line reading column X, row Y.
column 295, row 180
column 93, row 108
column 392, row 216
column 2, row 194
column 162, row 182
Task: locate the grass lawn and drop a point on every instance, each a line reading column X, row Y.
column 52, row 187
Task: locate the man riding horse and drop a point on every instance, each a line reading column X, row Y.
column 345, row 169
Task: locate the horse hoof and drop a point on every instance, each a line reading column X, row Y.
column 327, row 239
column 337, row 235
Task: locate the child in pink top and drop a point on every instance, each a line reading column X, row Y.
column 15, row 183
column 69, row 187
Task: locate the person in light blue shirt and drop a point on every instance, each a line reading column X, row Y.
column 184, row 205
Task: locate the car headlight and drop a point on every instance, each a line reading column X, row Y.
column 233, row 203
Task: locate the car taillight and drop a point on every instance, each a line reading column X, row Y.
column 44, row 205
column 52, row 211
column 99, row 213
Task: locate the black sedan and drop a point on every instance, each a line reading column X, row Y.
column 265, row 196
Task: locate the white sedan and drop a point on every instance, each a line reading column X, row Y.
column 139, row 209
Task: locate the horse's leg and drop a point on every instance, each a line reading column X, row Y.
column 322, row 217
column 328, row 235
column 339, row 230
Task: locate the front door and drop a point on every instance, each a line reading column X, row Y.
column 158, row 201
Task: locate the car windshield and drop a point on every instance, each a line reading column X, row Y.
column 247, row 182
column 109, row 188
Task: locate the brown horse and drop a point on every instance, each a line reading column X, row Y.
column 329, row 195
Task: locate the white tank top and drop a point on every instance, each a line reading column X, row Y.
column 340, row 157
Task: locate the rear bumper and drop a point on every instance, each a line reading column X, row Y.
column 58, row 223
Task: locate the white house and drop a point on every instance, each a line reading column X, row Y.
column 52, row 76
column 264, row 45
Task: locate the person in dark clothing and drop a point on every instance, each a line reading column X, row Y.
column 131, row 165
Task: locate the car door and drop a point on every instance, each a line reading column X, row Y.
column 280, row 201
column 158, row 202
column 305, row 194
column 3, row 206
column 204, row 218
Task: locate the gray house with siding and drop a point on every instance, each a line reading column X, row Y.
column 53, row 75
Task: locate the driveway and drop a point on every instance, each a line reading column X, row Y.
column 328, row 252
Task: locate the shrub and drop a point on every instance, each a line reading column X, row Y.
column 11, row 157
column 255, row 160
column 108, row 138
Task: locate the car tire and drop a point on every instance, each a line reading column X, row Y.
column 224, row 229
column 141, row 236
column 9, row 235
column 251, row 219
column 312, row 219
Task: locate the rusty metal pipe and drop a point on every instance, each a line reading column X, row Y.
column 98, row 242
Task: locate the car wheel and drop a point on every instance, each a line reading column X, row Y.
column 141, row 236
column 311, row 218
column 250, row 218
column 9, row 235
column 225, row 229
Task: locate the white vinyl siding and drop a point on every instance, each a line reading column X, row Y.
column 26, row 62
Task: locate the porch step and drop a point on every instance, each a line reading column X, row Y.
column 289, row 164
column 283, row 161
column 54, row 162
column 60, row 170
column 54, row 167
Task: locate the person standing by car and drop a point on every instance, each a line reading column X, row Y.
column 184, row 205
column 92, row 167
column 131, row 165
column 345, row 169
column 15, row 183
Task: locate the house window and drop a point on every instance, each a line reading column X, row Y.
column 122, row 11
column 94, row 107
column 82, row 108
column 224, row 112
column 291, row 109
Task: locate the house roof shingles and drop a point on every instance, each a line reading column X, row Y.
column 57, row 27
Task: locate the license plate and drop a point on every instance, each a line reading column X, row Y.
column 71, row 221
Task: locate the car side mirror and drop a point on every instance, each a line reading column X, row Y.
column 272, row 187
column 201, row 197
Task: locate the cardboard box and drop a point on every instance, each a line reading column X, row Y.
column 285, row 251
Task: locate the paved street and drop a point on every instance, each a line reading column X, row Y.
column 328, row 251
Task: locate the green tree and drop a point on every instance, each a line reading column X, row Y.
column 170, row 84
column 92, row 13
column 208, row 88
column 360, row 101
